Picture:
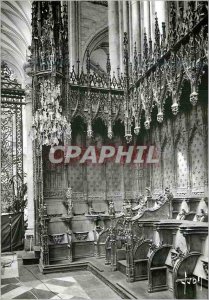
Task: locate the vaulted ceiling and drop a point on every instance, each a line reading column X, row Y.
column 15, row 34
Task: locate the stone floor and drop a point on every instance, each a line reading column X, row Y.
column 20, row 281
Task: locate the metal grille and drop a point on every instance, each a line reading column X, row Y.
column 12, row 96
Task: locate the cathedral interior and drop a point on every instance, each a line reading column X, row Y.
column 104, row 149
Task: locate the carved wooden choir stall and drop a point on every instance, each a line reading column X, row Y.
column 84, row 211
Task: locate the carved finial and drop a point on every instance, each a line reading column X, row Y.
column 202, row 9
column 125, row 53
column 163, row 30
column 125, row 39
column 118, row 71
column 139, row 58
column 145, row 50
column 157, row 38
column 65, row 19
column 150, row 48
column 163, row 39
column 135, row 59
column 78, row 67
column 108, row 65
column 88, row 60
column 172, row 24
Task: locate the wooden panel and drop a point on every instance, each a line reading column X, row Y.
column 158, row 279
column 83, row 249
column 58, row 253
column 140, row 269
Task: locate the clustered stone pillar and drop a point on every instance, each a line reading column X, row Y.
column 74, row 32
column 114, row 46
column 148, row 16
column 136, row 26
column 126, row 17
column 121, row 33
column 146, row 12
column 125, row 21
column 160, row 9
column 29, row 234
column 135, row 18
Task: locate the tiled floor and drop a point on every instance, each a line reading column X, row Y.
column 11, row 266
column 55, row 288
column 20, row 281
column 26, row 282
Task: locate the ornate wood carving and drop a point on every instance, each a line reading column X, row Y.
column 127, row 97
column 145, row 81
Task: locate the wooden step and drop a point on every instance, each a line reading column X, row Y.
column 37, row 251
column 30, row 259
column 121, row 266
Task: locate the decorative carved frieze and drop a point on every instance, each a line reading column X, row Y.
column 146, row 83
column 81, row 236
column 56, row 238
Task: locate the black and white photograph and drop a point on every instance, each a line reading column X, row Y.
column 104, row 149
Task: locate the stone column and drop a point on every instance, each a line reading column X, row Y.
column 29, row 234
column 114, row 45
column 152, row 20
column 147, row 18
column 136, row 24
column 121, row 33
column 160, row 9
column 130, row 33
column 74, row 32
column 142, row 23
column 125, row 19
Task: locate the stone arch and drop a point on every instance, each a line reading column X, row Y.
column 97, row 42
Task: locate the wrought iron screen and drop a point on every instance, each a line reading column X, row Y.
column 12, row 96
